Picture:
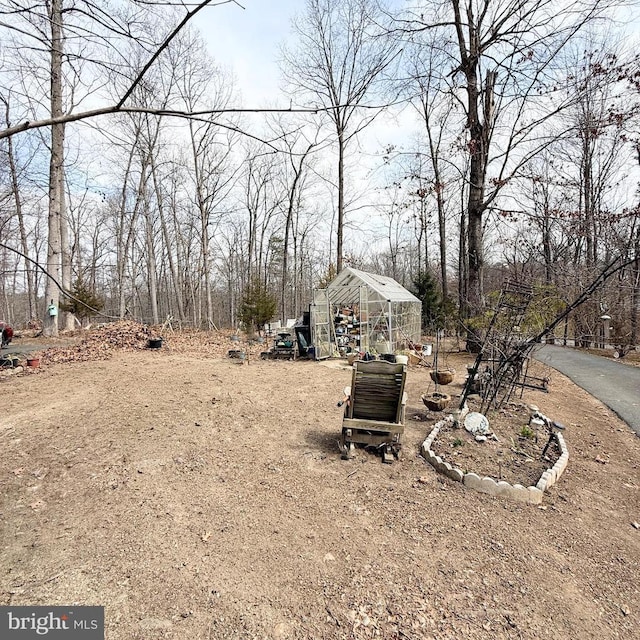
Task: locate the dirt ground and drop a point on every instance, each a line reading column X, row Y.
column 198, row 498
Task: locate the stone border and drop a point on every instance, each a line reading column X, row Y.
column 529, row 495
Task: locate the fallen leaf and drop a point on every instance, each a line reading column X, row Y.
column 18, row 471
column 205, row 536
column 37, row 504
column 635, row 525
column 601, row 460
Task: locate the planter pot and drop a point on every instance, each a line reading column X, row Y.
column 33, row 362
column 436, row 401
column 154, row 343
column 442, row 376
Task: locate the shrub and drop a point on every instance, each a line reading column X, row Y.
column 258, row 306
column 84, row 304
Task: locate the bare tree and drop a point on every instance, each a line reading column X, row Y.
column 15, row 172
column 500, row 69
column 429, row 93
column 212, row 167
column 339, row 60
column 296, row 178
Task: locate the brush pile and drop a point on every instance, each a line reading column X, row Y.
column 101, row 343
column 127, row 335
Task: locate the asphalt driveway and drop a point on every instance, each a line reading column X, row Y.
column 614, row 383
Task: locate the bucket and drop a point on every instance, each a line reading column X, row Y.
column 426, row 349
column 33, row 362
column 402, row 359
column 154, row 343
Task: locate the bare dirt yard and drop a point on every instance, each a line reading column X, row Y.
column 201, row 499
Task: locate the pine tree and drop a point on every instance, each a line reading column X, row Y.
column 258, row 306
column 84, row 304
column 425, row 288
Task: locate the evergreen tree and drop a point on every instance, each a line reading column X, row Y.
column 85, row 303
column 425, row 288
column 258, row 306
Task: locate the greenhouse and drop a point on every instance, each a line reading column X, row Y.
column 363, row 312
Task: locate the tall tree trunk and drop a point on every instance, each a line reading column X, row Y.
column 587, row 195
column 151, row 261
column 434, row 150
column 340, row 229
column 56, row 169
column 442, row 229
column 68, row 319
column 126, row 241
column 176, row 281
column 463, row 268
column 293, row 202
column 480, row 129
column 203, row 210
column 13, row 170
column 480, row 113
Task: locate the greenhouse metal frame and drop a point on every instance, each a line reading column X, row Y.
column 361, row 311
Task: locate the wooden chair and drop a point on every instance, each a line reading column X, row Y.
column 375, row 408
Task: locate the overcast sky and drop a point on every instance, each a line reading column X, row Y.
column 247, row 42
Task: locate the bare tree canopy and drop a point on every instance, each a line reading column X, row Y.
column 338, row 62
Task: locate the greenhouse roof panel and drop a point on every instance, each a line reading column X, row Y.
column 387, row 288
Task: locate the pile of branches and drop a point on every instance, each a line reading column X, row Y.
column 127, row 335
column 102, row 343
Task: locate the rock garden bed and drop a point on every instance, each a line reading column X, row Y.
column 511, row 452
